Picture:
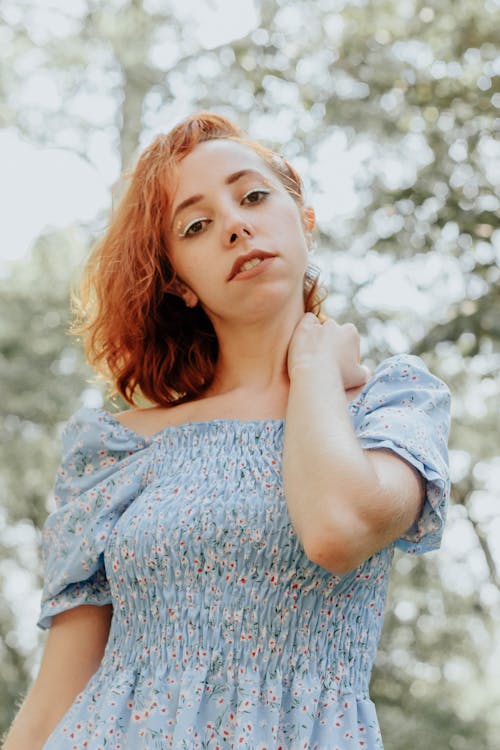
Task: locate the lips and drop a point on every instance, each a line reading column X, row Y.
column 243, row 259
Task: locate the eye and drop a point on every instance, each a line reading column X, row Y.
column 259, row 196
column 193, row 228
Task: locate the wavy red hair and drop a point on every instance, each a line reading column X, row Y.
column 136, row 329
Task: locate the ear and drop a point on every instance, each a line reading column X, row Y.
column 309, row 221
column 183, row 291
column 309, row 218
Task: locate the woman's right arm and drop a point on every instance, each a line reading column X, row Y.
column 73, row 651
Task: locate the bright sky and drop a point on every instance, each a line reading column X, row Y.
column 42, row 188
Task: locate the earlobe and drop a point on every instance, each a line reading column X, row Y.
column 187, row 295
column 190, row 303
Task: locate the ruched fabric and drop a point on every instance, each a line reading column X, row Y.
column 402, row 392
column 224, row 634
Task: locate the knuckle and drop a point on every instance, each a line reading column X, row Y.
column 351, row 329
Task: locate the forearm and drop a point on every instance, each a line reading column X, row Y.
column 30, row 729
column 331, row 487
column 73, row 651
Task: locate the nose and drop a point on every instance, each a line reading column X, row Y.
column 237, row 229
column 244, row 232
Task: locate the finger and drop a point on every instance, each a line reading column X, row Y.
column 352, row 338
column 359, row 377
column 367, row 372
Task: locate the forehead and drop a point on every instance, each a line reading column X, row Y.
column 211, row 161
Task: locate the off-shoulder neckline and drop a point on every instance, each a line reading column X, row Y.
column 191, row 425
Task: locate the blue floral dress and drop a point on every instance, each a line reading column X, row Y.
column 224, row 634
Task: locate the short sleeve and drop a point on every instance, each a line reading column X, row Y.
column 102, row 471
column 406, row 409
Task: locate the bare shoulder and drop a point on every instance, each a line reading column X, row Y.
column 149, row 421
column 133, row 418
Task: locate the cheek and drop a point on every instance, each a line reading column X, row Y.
column 180, row 260
column 197, row 274
column 296, row 231
column 291, row 219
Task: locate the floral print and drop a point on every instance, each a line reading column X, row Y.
column 224, row 634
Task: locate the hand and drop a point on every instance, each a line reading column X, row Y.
column 328, row 345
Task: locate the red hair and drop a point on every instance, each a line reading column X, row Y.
column 137, row 331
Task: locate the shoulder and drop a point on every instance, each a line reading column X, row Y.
column 93, row 439
column 97, row 448
column 146, row 423
column 408, row 367
column 93, row 428
column 404, row 371
column 403, row 382
column 142, row 421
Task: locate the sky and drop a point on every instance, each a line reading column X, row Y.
column 42, row 188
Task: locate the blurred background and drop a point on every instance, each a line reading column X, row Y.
column 390, row 111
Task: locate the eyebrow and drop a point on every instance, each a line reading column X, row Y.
column 230, row 179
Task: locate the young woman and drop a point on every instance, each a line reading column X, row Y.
column 216, row 567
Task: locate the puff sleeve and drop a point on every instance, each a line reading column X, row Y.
column 406, row 409
column 103, row 469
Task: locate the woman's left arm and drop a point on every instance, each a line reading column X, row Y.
column 345, row 503
column 358, row 478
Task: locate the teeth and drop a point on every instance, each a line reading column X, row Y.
column 250, row 264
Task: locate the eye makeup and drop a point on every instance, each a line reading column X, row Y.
column 263, row 192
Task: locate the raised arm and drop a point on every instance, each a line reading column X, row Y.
column 353, row 487
column 344, row 503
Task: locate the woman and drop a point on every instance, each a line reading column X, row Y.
column 237, row 535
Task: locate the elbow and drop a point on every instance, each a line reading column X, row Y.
column 335, row 564
column 348, row 535
column 342, row 544
column 336, row 552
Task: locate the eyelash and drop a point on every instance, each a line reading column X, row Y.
column 184, row 234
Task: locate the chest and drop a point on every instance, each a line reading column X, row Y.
column 214, row 523
column 222, row 501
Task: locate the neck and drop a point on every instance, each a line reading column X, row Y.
column 253, row 357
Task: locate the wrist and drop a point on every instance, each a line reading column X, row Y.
column 320, row 373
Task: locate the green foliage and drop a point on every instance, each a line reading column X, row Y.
column 43, row 374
